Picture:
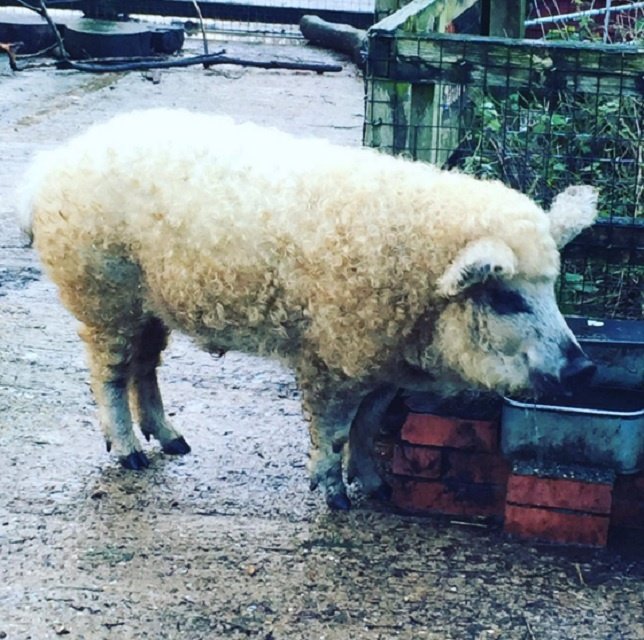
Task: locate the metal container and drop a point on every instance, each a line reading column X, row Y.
column 601, row 427
column 616, row 347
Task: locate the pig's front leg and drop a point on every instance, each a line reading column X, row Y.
column 330, row 404
column 329, row 423
column 366, row 425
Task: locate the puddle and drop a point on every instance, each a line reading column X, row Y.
column 17, row 278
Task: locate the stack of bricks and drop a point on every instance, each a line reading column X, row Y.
column 566, row 505
column 449, row 466
column 454, row 466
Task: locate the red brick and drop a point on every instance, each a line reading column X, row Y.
column 450, row 498
column 552, row 525
column 474, row 466
column 440, row 431
column 561, row 493
column 420, row 462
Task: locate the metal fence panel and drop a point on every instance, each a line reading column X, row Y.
column 537, row 115
column 278, row 17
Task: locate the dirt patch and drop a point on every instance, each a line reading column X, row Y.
column 227, row 542
column 62, row 100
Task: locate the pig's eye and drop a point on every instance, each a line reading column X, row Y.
column 506, row 301
column 501, row 300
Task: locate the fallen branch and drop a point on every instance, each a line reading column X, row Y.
column 8, row 49
column 41, row 10
column 35, row 54
column 203, row 29
column 143, row 60
column 210, row 60
column 338, row 37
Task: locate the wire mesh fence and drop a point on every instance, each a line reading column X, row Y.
column 605, row 20
column 262, row 17
column 539, row 117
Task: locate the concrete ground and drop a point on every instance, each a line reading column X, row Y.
column 227, row 542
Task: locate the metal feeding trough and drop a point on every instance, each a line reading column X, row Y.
column 602, row 425
column 616, row 347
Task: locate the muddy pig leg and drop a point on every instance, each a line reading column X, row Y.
column 329, row 423
column 109, row 361
column 361, row 464
column 145, row 397
column 330, row 404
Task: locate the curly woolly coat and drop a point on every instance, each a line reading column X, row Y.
column 249, row 239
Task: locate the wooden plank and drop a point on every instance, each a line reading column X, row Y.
column 423, row 117
column 417, row 120
column 387, row 116
column 506, row 18
column 420, row 16
column 523, row 53
column 614, row 70
column 385, row 8
column 421, row 124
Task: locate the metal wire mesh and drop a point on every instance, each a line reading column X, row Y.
column 267, row 17
column 606, row 20
column 539, row 117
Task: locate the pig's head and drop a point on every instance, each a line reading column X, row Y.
column 501, row 328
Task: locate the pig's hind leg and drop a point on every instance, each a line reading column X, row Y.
column 110, row 353
column 145, row 397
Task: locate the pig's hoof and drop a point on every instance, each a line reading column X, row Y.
column 136, row 461
column 382, row 493
column 176, row 447
column 339, row 443
column 338, row 501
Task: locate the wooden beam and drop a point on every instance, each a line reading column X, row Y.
column 506, row 18
column 420, row 16
column 385, row 8
column 499, row 62
column 338, row 37
column 412, row 118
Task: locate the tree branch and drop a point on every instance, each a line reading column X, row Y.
column 339, row 37
column 210, row 60
column 41, row 10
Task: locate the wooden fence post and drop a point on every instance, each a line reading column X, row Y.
column 385, row 8
column 505, row 18
column 407, row 117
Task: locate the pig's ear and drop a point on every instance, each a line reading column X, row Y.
column 571, row 212
column 478, row 261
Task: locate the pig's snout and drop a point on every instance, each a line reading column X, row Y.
column 578, row 370
column 575, row 371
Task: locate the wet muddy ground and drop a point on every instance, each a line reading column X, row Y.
column 227, row 542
